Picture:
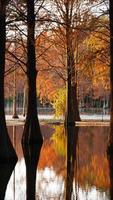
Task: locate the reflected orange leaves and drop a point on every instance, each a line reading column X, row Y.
column 92, row 164
column 47, row 156
column 95, row 173
column 50, row 158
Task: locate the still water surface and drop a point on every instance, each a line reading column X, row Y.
column 79, row 173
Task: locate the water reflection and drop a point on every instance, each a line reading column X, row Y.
column 7, row 166
column 31, row 155
column 6, row 169
column 82, row 171
column 72, row 138
column 52, row 166
column 110, row 160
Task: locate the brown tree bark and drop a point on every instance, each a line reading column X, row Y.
column 6, row 148
column 110, row 145
column 72, row 102
column 31, row 133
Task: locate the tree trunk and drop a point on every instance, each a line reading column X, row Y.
column 72, row 102
column 32, row 133
column 110, row 145
column 24, row 100
column 6, row 148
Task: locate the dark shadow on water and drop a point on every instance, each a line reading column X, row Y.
column 31, row 155
column 6, row 169
column 8, row 160
column 72, row 139
column 7, row 152
column 110, row 160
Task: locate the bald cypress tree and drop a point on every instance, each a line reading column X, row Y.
column 32, row 133
column 6, row 148
column 111, row 74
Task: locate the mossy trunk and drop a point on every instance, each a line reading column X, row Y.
column 32, row 133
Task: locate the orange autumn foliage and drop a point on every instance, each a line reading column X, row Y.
column 47, row 156
column 95, row 173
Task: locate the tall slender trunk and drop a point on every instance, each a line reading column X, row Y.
column 24, row 100
column 6, row 148
column 72, row 102
column 110, row 146
column 32, row 133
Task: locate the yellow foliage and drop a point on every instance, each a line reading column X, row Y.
column 59, row 140
column 59, row 102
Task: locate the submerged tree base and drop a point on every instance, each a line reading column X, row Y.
column 15, row 116
column 32, row 133
column 110, row 149
column 66, row 124
column 70, row 121
column 7, row 151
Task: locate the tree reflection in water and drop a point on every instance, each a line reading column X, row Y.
column 110, row 160
column 31, row 155
column 7, row 165
column 6, row 169
column 72, row 139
